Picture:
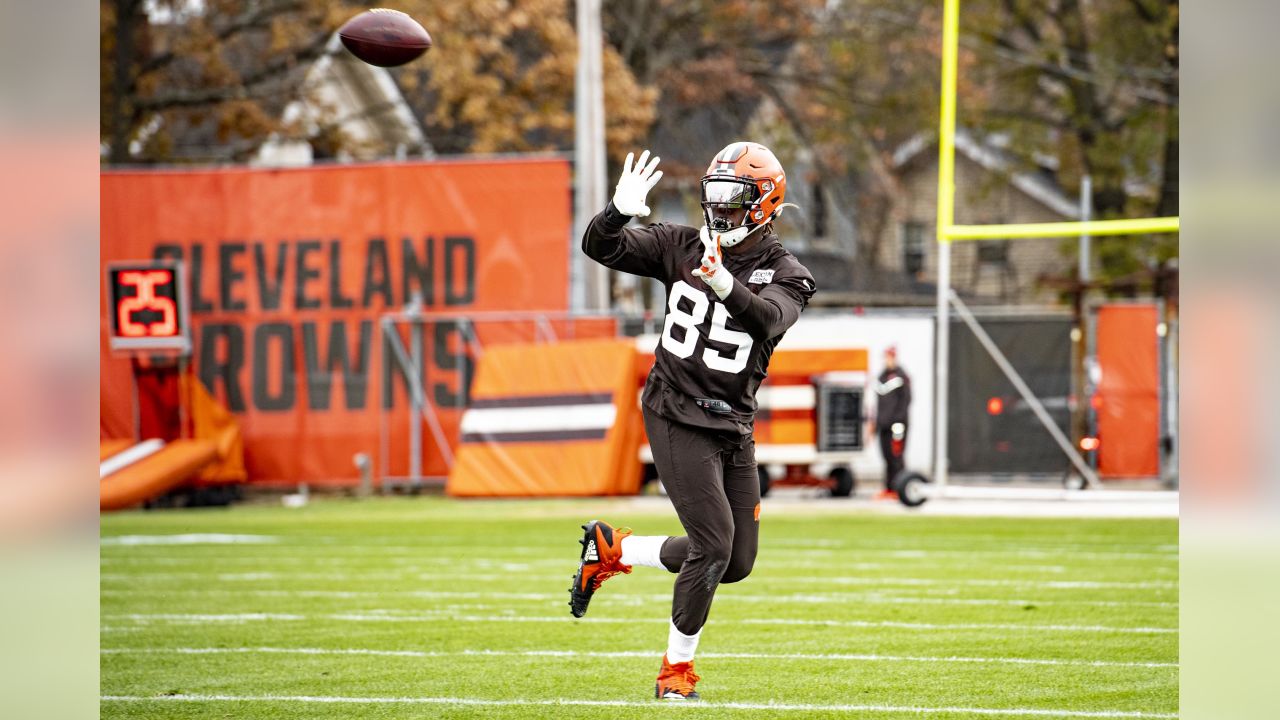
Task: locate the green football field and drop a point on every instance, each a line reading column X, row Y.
column 428, row 607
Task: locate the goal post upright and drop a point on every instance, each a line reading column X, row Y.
column 945, row 219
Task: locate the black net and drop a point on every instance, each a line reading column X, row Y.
column 992, row 430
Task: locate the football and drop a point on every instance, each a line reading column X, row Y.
column 385, row 38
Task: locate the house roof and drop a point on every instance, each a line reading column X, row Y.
column 989, row 153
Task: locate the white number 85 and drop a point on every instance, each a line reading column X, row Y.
column 689, row 321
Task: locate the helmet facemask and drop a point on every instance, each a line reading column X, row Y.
column 729, row 205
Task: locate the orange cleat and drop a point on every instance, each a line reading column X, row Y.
column 676, row 681
column 601, row 559
column 887, row 495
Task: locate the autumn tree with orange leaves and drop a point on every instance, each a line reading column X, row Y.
column 499, row 79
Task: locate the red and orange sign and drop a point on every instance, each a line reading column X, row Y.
column 290, row 272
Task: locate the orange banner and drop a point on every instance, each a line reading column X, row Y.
column 291, row 271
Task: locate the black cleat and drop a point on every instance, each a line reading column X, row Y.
column 601, row 559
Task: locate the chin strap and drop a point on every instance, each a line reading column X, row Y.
column 776, row 214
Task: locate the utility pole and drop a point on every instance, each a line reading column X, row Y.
column 1083, row 333
column 589, row 282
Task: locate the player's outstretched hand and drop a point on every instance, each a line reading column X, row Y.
column 635, row 184
column 712, row 270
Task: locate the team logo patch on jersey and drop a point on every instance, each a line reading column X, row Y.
column 761, row 277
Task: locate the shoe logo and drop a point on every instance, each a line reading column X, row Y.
column 592, row 555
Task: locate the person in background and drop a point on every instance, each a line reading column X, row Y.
column 893, row 401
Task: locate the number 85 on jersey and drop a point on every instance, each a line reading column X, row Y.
column 689, row 321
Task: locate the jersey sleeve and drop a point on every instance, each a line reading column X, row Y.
column 776, row 307
column 638, row 251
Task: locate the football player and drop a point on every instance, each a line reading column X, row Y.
column 732, row 291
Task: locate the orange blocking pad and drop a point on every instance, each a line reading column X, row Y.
column 1128, row 395
column 551, row 420
column 155, row 474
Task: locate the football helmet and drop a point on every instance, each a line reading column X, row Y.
column 742, row 192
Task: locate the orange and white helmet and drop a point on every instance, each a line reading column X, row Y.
column 743, row 191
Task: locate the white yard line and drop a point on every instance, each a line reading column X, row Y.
column 965, row 626
column 432, row 564
column 556, row 559
column 565, row 702
column 444, row 617
column 308, row 547
column 972, row 582
column 187, row 539
column 527, row 577
column 723, row 596
column 197, row 618
column 824, row 657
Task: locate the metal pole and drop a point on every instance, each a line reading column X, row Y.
column 589, row 283
column 415, row 399
column 1086, row 214
column 416, row 391
column 946, row 218
column 942, row 362
column 1084, row 276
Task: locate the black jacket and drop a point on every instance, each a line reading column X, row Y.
column 893, row 398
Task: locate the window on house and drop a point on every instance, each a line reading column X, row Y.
column 913, row 248
column 993, row 274
column 993, row 252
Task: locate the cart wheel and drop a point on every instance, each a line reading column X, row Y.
column 764, row 480
column 909, row 486
column 842, row 482
column 1074, row 481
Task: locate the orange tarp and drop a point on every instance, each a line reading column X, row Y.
column 556, row 419
column 211, row 421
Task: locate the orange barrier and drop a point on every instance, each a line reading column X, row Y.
column 557, row 419
column 1128, row 395
column 177, row 462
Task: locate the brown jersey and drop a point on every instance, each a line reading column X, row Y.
column 713, row 353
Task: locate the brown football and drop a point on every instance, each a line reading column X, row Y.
column 385, row 38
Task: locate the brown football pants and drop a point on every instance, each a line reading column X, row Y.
column 711, row 480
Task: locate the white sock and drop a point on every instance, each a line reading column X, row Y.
column 680, row 647
column 644, row 550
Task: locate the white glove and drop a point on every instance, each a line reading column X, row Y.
column 635, row 184
column 712, row 270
